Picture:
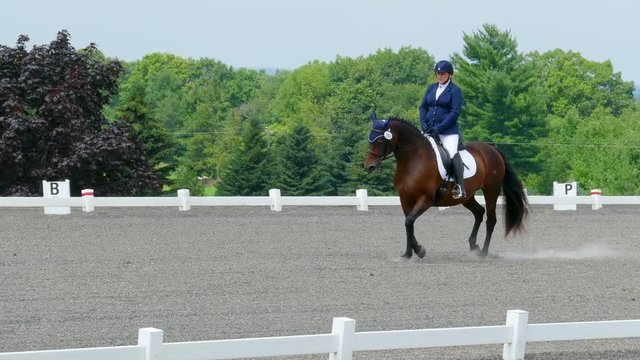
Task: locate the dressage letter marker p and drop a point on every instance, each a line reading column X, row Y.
column 565, row 190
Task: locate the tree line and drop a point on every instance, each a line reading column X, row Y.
column 165, row 122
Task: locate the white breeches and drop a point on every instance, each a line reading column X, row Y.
column 450, row 142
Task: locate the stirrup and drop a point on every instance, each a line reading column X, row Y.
column 457, row 192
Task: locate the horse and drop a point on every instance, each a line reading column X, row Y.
column 420, row 184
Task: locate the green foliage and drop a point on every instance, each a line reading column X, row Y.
column 575, row 88
column 141, row 100
column 301, row 98
column 184, row 177
column 573, row 82
column 247, row 174
column 297, row 166
column 503, row 103
column 557, row 116
column 407, row 66
column 609, row 156
column 179, row 107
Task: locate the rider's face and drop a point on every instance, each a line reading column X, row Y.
column 442, row 77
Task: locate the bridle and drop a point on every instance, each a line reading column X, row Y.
column 387, row 143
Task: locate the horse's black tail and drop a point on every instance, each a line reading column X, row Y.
column 517, row 205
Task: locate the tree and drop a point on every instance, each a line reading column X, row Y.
column 150, row 102
column 575, row 89
column 407, row 66
column 573, row 82
column 503, row 103
column 214, row 95
column 606, row 153
column 52, row 125
column 298, row 169
column 247, row 174
column 302, row 97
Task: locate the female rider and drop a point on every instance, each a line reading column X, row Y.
column 439, row 113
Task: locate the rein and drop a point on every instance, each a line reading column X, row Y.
column 382, row 157
column 386, row 143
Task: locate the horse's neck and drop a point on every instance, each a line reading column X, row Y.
column 411, row 146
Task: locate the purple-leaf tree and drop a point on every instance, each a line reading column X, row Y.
column 52, row 126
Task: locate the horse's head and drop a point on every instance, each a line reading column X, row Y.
column 381, row 143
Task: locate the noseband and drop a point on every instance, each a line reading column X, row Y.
column 387, row 143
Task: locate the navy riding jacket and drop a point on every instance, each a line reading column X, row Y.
column 442, row 113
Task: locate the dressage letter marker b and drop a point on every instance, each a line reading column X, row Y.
column 55, row 189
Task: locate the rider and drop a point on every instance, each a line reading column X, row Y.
column 439, row 113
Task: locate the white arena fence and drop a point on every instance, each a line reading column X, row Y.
column 343, row 341
column 361, row 201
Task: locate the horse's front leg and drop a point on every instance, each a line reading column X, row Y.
column 412, row 243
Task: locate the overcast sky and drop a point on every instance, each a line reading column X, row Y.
column 291, row 33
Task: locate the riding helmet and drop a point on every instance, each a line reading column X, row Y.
column 443, row 66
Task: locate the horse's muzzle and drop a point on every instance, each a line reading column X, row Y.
column 372, row 165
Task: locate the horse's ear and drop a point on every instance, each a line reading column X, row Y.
column 374, row 117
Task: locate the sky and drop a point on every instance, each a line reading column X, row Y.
column 290, row 33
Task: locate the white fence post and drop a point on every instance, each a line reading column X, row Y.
column 346, row 329
column 151, row 339
column 361, row 196
column 276, row 200
column 518, row 320
column 596, row 196
column 87, row 198
column 183, row 200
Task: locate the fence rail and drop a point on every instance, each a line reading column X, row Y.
column 361, row 201
column 343, row 341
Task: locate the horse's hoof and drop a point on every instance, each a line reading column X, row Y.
column 482, row 254
column 406, row 256
column 422, row 252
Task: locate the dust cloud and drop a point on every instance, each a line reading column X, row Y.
column 587, row 251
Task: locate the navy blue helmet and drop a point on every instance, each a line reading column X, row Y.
column 443, row 66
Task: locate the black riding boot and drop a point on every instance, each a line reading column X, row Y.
column 458, row 177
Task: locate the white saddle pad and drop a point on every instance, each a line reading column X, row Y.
column 468, row 161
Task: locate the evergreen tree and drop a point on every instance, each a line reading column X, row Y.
column 503, row 102
column 247, row 174
column 298, row 165
column 142, row 99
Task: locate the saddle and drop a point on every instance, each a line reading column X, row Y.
column 444, row 163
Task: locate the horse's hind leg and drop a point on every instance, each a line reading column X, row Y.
column 478, row 214
column 491, row 220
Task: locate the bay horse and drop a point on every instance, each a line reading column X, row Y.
column 418, row 181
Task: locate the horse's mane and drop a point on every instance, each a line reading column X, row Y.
column 410, row 125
